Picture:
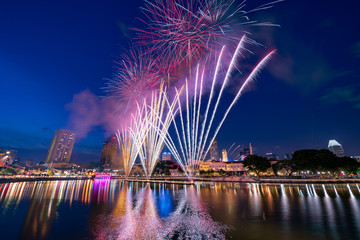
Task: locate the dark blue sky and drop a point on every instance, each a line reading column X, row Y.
column 308, row 94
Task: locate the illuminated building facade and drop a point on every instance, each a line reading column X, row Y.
column 236, row 166
column 214, row 153
column 166, row 156
column 61, row 146
column 109, row 154
column 224, row 156
column 336, row 148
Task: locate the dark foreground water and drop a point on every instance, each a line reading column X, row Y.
column 87, row 209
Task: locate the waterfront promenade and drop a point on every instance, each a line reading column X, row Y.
column 186, row 181
column 34, row 179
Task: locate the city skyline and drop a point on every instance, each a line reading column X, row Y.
column 293, row 106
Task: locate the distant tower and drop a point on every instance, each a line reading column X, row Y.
column 224, row 156
column 109, row 156
column 214, row 154
column 61, row 146
column 251, row 149
column 336, row 148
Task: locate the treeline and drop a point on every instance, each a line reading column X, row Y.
column 307, row 160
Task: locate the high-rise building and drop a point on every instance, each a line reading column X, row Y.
column 214, row 154
column 336, row 148
column 224, row 156
column 166, row 156
column 61, row 146
column 109, row 154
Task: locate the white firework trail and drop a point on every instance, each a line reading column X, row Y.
column 193, row 143
column 128, row 150
column 150, row 127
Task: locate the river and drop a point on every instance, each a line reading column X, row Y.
column 116, row 209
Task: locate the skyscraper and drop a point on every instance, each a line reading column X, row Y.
column 109, row 154
column 214, row 154
column 61, row 146
column 336, row 148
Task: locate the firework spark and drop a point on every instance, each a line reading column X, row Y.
column 128, row 150
column 193, row 145
column 181, row 32
column 137, row 76
column 150, row 125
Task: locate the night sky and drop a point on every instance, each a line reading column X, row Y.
column 51, row 51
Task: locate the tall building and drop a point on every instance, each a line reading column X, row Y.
column 214, row 154
column 109, row 154
column 61, row 146
column 224, row 156
column 336, row 148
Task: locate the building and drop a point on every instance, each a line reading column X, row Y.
column 7, row 157
column 245, row 151
column 166, row 156
column 61, row 146
column 235, row 166
column 30, row 163
column 214, row 153
column 109, row 154
column 336, row 148
column 272, row 156
column 224, row 156
column 286, row 156
column 357, row 158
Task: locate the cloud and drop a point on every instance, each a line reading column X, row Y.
column 347, row 94
column 85, row 111
column 88, row 111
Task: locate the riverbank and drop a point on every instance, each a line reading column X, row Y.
column 184, row 180
column 34, row 179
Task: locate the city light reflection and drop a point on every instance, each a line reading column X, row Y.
column 137, row 210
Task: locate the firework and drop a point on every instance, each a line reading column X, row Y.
column 191, row 135
column 231, row 151
column 137, row 76
column 128, row 150
column 150, row 125
column 181, row 32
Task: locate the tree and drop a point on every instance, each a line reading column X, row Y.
column 305, row 160
column 8, row 171
column 256, row 163
column 276, row 167
column 162, row 168
column 348, row 165
column 50, row 172
column 326, row 160
column 288, row 165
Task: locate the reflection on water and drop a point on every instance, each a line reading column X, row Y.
column 147, row 212
column 104, row 209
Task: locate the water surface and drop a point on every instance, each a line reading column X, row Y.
column 104, row 209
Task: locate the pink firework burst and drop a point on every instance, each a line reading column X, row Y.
column 179, row 32
column 137, row 75
column 184, row 30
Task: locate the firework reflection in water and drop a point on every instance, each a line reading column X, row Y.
column 141, row 220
